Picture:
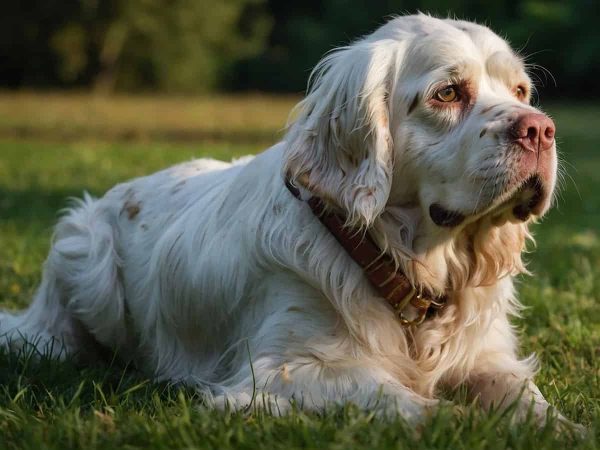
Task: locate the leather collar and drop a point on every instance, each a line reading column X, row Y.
column 379, row 268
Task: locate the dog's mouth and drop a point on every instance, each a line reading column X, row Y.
column 443, row 217
column 528, row 199
column 523, row 201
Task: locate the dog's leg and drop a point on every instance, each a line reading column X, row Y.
column 500, row 390
column 288, row 345
column 319, row 384
column 80, row 295
column 500, row 379
column 301, row 354
column 312, row 385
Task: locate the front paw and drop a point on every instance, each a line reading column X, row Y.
column 564, row 425
column 559, row 423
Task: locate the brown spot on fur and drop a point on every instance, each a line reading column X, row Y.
column 285, row 374
column 131, row 206
column 133, row 209
column 482, row 134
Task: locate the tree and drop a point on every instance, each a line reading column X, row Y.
column 178, row 45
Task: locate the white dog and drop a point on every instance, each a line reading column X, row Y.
column 257, row 279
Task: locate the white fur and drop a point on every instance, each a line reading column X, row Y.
column 214, row 275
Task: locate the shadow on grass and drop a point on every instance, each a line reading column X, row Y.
column 36, row 206
column 42, row 381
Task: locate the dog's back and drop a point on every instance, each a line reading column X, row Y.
column 102, row 269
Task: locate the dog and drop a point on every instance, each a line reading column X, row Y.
column 367, row 258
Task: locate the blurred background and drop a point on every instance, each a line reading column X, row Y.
column 230, row 70
column 202, row 46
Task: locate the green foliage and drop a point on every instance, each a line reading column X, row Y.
column 169, row 45
column 177, row 45
column 563, row 37
column 271, row 45
column 57, row 405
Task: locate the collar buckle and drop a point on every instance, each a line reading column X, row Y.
column 423, row 306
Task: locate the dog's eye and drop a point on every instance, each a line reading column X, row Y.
column 520, row 92
column 447, row 94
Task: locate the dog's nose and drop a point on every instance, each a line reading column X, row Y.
column 534, row 132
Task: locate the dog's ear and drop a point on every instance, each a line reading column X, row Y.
column 340, row 145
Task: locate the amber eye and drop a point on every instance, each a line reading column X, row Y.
column 447, row 94
column 520, row 92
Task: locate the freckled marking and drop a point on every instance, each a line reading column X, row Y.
column 498, row 113
column 482, row 134
column 413, row 104
column 488, row 109
column 144, row 226
column 285, row 374
column 133, row 209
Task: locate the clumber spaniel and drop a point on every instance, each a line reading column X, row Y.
column 410, row 172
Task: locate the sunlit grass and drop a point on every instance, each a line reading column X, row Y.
column 241, row 119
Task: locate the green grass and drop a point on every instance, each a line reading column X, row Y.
column 46, row 404
column 72, row 116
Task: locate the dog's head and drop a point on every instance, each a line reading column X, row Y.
column 431, row 118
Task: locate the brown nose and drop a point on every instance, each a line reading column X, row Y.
column 534, row 132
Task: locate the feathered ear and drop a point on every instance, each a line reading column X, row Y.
column 340, row 145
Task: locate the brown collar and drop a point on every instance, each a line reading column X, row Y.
column 379, row 268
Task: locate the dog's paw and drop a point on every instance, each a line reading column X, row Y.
column 564, row 425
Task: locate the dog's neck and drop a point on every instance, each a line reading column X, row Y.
column 477, row 254
column 410, row 301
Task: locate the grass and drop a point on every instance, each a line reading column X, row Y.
column 47, row 404
column 250, row 118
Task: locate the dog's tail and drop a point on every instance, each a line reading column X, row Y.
column 34, row 328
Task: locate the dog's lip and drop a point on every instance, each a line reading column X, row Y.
column 523, row 200
column 529, row 198
column 443, row 217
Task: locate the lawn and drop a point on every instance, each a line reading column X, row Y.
column 53, row 147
